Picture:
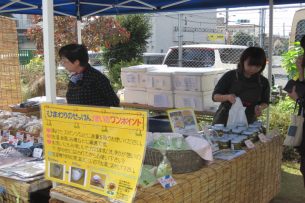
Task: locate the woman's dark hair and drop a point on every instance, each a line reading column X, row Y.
column 302, row 43
column 75, row 52
column 256, row 56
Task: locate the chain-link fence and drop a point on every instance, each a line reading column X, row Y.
column 96, row 61
column 216, row 38
column 204, row 56
column 231, row 30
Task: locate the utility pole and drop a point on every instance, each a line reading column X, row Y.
column 226, row 26
column 180, row 38
column 262, row 27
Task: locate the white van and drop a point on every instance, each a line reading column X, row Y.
column 220, row 56
column 205, row 55
column 153, row 58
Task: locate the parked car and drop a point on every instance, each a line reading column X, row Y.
column 153, row 58
column 95, row 60
column 207, row 56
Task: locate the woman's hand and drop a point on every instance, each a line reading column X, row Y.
column 258, row 110
column 231, row 98
column 224, row 98
column 293, row 95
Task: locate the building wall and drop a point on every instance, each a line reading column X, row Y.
column 196, row 28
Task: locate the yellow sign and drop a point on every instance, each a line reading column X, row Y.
column 96, row 149
column 216, row 37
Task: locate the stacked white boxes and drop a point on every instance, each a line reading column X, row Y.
column 194, row 88
column 161, row 86
column 134, row 80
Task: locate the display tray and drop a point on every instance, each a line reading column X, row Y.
column 29, row 111
column 15, row 108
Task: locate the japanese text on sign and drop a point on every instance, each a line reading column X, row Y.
column 97, row 149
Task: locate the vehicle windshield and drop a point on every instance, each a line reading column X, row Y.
column 191, row 57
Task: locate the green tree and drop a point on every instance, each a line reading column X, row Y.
column 244, row 39
column 139, row 28
column 128, row 51
column 289, row 59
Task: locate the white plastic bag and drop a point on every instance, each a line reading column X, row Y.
column 295, row 131
column 237, row 114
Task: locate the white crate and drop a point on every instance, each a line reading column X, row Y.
column 199, row 101
column 160, row 79
column 135, row 76
column 160, row 98
column 208, row 103
column 199, row 79
column 135, row 95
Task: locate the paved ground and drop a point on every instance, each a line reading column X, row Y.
column 280, row 76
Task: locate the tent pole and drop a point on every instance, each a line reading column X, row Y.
column 49, row 51
column 180, row 40
column 270, row 49
column 79, row 32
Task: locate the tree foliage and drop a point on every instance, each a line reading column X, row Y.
column 139, row 28
column 289, row 60
column 128, row 51
column 96, row 32
column 242, row 38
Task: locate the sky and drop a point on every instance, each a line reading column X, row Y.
column 283, row 16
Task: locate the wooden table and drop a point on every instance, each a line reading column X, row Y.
column 252, row 177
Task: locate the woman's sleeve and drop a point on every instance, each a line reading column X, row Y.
column 265, row 98
column 224, row 83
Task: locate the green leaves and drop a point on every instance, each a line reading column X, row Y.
column 289, row 60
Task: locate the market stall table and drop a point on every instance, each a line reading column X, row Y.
column 252, row 177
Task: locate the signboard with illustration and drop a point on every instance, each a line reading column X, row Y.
column 96, row 149
column 183, row 121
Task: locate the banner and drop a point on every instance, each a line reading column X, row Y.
column 96, row 149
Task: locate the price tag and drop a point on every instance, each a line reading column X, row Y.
column 167, row 181
column 20, row 136
column 37, row 153
column 29, row 138
column 263, row 138
column 5, row 133
column 249, row 144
